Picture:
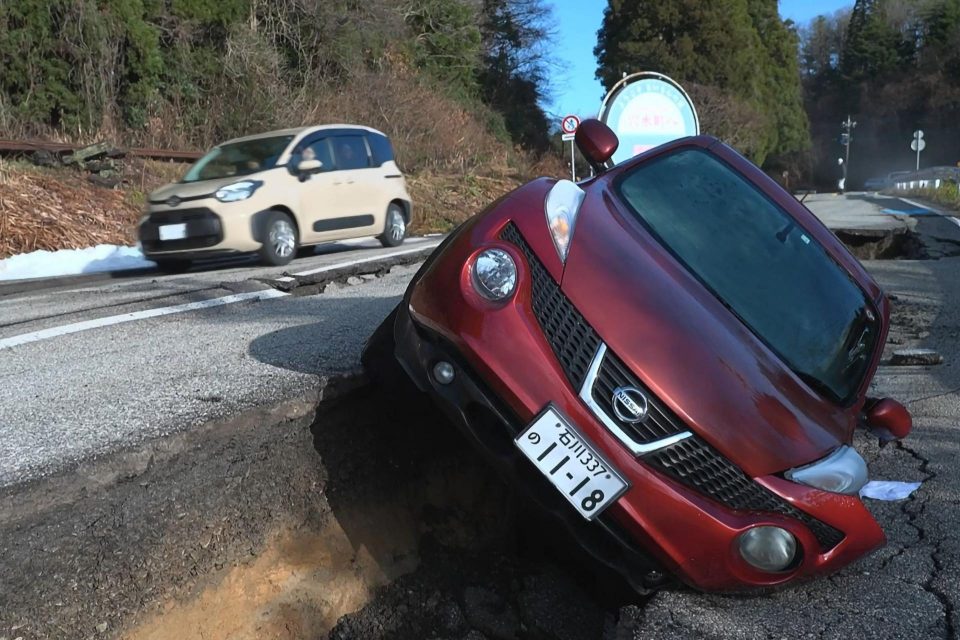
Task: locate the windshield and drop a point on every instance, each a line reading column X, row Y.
column 777, row 279
column 238, row 159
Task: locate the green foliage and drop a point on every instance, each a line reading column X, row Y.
column 739, row 47
column 894, row 66
column 446, row 42
column 194, row 72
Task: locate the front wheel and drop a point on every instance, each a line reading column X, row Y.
column 395, row 229
column 280, row 239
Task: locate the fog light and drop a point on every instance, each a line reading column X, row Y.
column 768, row 548
column 443, row 372
column 494, row 274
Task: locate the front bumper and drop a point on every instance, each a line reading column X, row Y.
column 491, row 427
column 508, row 370
column 212, row 228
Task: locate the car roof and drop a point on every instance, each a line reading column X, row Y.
column 298, row 132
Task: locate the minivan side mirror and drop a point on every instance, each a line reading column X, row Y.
column 597, row 142
column 307, row 167
column 888, row 420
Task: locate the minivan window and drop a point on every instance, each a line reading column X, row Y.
column 238, row 159
column 381, row 148
column 765, row 268
column 350, row 152
column 318, row 150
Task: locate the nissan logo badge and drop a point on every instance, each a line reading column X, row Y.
column 629, row 404
column 173, row 201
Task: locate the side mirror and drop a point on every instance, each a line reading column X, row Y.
column 597, row 142
column 307, row 167
column 888, row 420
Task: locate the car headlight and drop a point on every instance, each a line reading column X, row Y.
column 768, row 548
column 494, row 274
column 843, row 471
column 237, row 191
column 562, row 206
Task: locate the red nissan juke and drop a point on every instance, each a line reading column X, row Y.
column 671, row 357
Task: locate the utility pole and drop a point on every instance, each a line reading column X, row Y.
column 845, row 139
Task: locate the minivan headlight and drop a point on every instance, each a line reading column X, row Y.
column 237, row 191
column 843, row 471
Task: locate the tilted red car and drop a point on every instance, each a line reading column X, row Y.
column 671, row 356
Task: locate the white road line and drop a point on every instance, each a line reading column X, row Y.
column 940, row 213
column 340, row 265
column 53, row 332
column 921, row 206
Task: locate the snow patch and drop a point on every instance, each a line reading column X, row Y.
column 68, row 262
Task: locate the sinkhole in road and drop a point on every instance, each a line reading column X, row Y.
column 883, row 244
column 420, row 539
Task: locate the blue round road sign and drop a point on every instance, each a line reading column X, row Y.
column 646, row 110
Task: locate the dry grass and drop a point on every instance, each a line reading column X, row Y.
column 55, row 209
column 441, row 202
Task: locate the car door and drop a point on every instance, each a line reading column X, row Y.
column 356, row 205
column 317, row 197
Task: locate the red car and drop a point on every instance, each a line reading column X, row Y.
column 672, row 357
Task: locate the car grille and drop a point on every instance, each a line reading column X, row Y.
column 698, row 465
column 660, row 422
column 182, row 215
column 691, row 461
column 573, row 340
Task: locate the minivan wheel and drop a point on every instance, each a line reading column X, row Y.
column 280, row 239
column 168, row 265
column 395, row 229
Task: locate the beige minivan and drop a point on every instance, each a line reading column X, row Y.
column 277, row 192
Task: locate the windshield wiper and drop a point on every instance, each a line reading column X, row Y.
column 816, row 384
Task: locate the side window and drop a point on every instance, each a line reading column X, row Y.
column 318, row 150
column 350, row 152
column 381, row 148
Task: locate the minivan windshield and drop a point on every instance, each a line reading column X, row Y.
column 238, row 159
column 763, row 266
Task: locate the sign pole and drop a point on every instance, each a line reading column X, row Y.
column 573, row 161
column 568, row 125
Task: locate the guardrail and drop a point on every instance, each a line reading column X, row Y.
column 929, row 178
column 23, row 146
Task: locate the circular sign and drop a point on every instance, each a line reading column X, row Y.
column 569, row 124
column 918, row 144
column 646, row 110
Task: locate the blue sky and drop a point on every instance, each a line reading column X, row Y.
column 573, row 86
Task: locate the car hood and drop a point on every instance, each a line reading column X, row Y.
column 690, row 350
column 195, row 190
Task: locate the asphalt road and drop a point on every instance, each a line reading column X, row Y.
column 74, row 387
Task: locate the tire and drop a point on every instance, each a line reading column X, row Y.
column 169, row 265
column 394, row 228
column 280, row 239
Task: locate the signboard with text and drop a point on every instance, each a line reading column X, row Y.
column 646, row 110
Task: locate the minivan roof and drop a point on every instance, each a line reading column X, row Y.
column 299, row 131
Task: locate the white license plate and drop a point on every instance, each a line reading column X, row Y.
column 571, row 464
column 173, row 231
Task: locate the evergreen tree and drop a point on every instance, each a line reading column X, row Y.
column 739, row 47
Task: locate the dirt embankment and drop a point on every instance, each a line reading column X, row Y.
column 51, row 209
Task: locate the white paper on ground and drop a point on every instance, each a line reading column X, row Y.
column 888, row 489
